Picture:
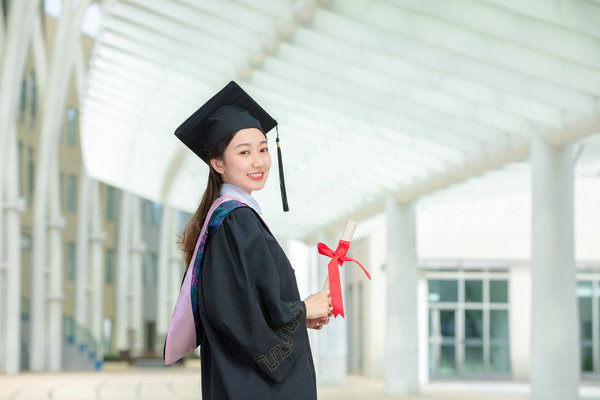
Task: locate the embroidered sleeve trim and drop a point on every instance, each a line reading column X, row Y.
column 270, row 361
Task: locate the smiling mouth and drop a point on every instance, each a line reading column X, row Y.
column 257, row 175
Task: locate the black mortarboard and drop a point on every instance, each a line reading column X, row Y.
column 227, row 112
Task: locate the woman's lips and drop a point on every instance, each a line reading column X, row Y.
column 256, row 176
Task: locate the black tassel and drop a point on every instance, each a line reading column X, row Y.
column 281, row 178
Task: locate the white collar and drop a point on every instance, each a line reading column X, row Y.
column 228, row 189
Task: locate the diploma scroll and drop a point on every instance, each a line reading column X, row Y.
column 337, row 260
column 346, row 236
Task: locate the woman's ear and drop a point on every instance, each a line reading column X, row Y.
column 217, row 164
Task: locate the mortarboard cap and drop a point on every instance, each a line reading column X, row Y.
column 227, row 112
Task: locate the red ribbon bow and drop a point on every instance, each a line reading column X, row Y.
column 337, row 258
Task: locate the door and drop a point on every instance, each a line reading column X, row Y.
column 442, row 342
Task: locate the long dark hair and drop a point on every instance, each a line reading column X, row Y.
column 193, row 228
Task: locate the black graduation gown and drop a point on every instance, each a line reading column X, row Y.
column 254, row 342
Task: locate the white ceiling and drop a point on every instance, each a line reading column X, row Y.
column 372, row 97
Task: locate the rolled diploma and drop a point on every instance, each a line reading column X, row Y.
column 347, row 236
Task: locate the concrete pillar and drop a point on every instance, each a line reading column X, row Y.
column 401, row 355
column 97, row 238
column 555, row 333
column 422, row 327
column 333, row 342
column 122, row 274
column 54, row 97
column 10, row 307
column 164, row 306
column 56, row 273
column 81, row 295
column 15, row 45
column 520, row 321
column 136, row 312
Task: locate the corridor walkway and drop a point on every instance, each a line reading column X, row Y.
column 184, row 383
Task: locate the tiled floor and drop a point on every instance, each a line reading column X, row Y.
column 184, row 383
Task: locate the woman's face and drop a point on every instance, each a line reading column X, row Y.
column 246, row 160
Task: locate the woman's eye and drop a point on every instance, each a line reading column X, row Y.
column 244, row 152
column 265, row 150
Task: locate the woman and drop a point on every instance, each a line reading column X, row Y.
column 249, row 319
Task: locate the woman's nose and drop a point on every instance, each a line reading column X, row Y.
column 257, row 160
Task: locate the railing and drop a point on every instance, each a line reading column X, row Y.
column 81, row 348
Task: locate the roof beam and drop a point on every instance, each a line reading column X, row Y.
column 351, row 109
column 508, row 27
column 579, row 16
column 389, row 28
column 475, row 168
column 426, row 65
column 394, row 95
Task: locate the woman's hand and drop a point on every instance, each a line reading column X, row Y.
column 318, row 322
column 318, row 305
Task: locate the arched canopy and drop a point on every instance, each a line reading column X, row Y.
column 371, row 97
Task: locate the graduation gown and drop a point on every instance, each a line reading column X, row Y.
column 254, row 343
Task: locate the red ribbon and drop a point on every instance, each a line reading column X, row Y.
column 337, row 258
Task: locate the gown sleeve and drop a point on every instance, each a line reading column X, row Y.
column 243, row 297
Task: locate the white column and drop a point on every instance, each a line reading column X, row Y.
column 56, row 273
column 15, row 48
column 97, row 267
column 122, row 275
column 136, row 315
column 520, row 321
column 423, row 323
column 333, row 342
column 555, row 333
column 163, row 312
column 54, row 98
column 401, row 355
column 80, row 301
column 10, row 336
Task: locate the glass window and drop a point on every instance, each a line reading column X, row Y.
column 150, row 269
column 150, row 335
column 109, row 269
column 61, row 188
column 499, row 325
column 473, row 324
column 70, row 261
column 72, row 194
column 473, row 291
column 499, row 350
column 443, row 290
column 498, row 291
column 69, row 329
column 30, row 174
column 22, row 100
column 4, row 9
column 71, row 127
column 25, row 242
column 146, row 216
column 447, row 360
column 31, row 89
column 110, row 206
column 584, row 298
column 447, row 323
column 20, row 167
column 157, row 214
